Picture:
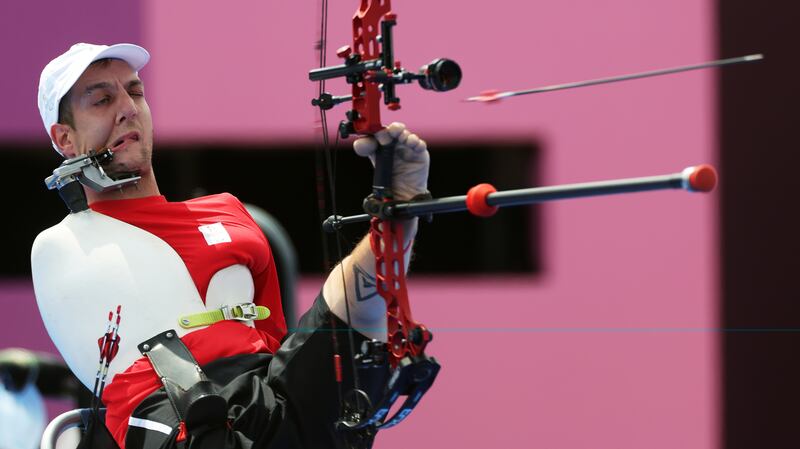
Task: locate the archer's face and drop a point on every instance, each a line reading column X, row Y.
column 110, row 111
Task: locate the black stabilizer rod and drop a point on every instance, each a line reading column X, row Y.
column 483, row 200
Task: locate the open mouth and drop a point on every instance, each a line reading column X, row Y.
column 123, row 141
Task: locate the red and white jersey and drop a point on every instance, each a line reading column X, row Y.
column 209, row 234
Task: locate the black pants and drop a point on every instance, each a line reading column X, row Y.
column 289, row 400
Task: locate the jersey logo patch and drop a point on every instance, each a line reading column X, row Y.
column 215, row 233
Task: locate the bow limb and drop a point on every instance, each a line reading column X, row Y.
column 368, row 310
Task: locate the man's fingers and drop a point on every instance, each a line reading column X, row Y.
column 395, row 129
column 383, row 137
column 412, row 141
column 365, row 146
column 390, row 133
column 396, row 132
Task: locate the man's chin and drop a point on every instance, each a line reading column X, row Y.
column 118, row 170
column 118, row 175
column 127, row 161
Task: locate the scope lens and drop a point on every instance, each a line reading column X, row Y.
column 440, row 75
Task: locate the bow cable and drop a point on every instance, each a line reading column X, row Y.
column 330, row 168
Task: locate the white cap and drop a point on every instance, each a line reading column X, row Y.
column 61, row 73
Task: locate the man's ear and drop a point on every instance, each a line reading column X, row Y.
column 62, row 136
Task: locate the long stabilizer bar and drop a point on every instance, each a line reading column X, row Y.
column 483, row 200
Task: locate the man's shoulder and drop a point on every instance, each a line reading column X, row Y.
column 218, row 202
column 55, row 247
column 223, row 198
column 52, row 237
column 81, row 233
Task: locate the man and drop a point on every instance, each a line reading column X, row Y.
column 167, row 263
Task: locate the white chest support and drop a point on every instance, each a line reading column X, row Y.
column 89, row 263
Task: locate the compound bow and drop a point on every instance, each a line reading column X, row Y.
column 370, row 67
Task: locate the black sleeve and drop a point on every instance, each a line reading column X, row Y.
column 303, row 372
column 287, row 400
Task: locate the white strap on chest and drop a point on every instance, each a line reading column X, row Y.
column 89, row 263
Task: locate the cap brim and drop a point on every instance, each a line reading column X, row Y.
column 134, row 55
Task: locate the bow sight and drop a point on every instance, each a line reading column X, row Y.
column 367, row 69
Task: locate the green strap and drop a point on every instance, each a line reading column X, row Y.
column 237, row 312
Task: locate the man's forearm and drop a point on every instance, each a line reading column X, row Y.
column 356, row 276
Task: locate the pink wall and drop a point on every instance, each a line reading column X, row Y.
column 611, row 346
column 32, row 33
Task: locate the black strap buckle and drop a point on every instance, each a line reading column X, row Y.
column 193, row 397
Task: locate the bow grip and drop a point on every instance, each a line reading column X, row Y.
column 382, row 176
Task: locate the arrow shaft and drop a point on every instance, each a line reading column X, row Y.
column 632, row 76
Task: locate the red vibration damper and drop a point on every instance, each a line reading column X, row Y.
column 703, row 178
column 476, row 200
